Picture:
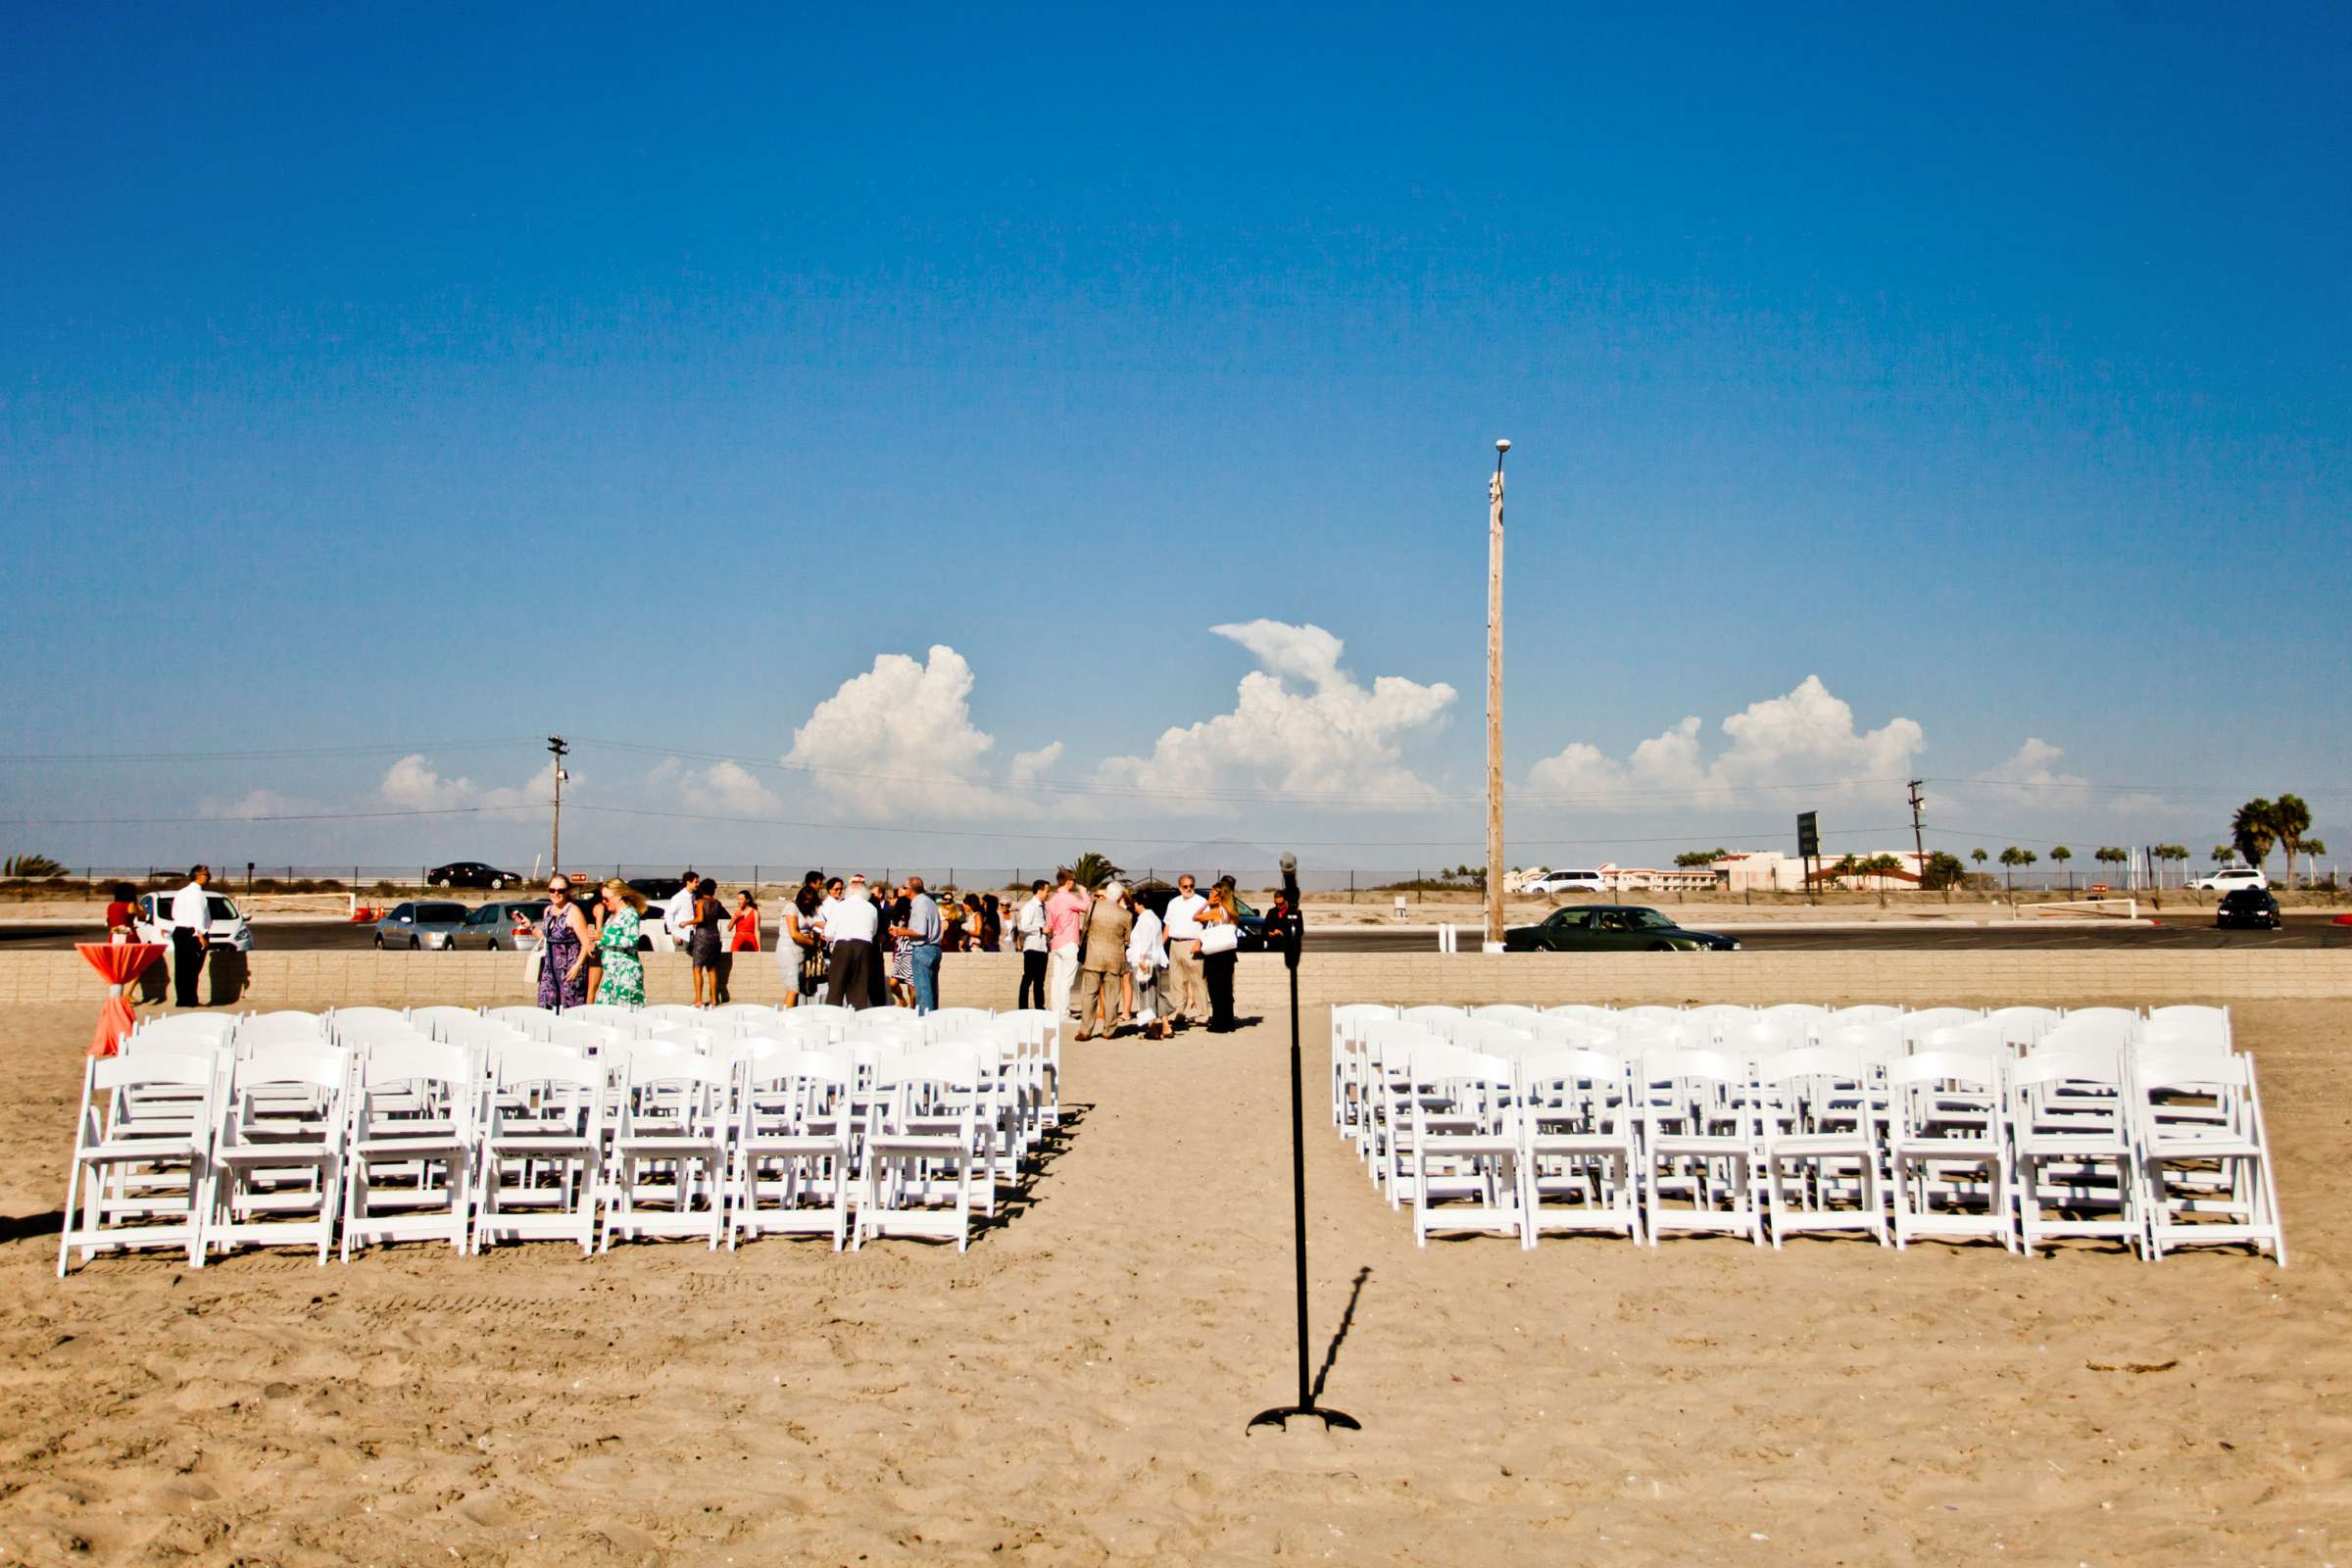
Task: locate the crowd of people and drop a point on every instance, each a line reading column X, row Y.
column 1130, row 962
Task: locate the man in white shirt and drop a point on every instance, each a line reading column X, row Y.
column 1030, row 926
column 191, row 921
column 1190, row 1003
column 851, row 922
column 677, row 914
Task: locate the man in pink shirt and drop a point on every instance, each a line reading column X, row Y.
column 1065, row 916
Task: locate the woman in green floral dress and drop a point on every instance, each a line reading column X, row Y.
column 623, row 984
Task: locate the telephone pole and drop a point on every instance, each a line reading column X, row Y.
column 1494, row 700
column 555, row 851
column 1919, row 840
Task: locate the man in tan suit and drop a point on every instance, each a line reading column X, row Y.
column 1107, row 923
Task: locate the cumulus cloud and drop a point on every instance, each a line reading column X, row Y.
column 1806, row 737
column 257, row 804
column 1030, row 766
column 2032, row 774
column 900, row 739
column 413, row 784
column 1301, row 725
column 724, row 789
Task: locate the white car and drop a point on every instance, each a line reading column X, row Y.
column 1557, row 882
column 229, row 929
column 2232, row 876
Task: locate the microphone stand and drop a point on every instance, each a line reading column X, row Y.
column 1280, row 1416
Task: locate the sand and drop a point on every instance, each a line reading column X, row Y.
column 1073, row 1390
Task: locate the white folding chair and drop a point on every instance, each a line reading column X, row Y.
column 674, row 1123
column 1947, row 1144
column 277, row 1151
column 1466, row 1143
column 416, row 1109
column 1041, row 1028
column 542, row 1148
column 2198, row 1024
column 1816, row 1121
column 793, row 1138
column 943, row 1023
column 339, row 1019
column 2213, row 1164
column 921, row 1147
column 1576, row 1127
column 1699, row 1139
column 430, row 1020
column 286, row 1028
column 1347, row 1061
column 172, row 1156
column 2069, row 1148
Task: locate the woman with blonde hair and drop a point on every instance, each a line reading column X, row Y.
column 623, row 985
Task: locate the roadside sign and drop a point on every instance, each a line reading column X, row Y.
column 1808, row 833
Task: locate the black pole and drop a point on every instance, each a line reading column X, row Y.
column 1293, row 935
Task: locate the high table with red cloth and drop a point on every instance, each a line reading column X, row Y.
column 121, row 962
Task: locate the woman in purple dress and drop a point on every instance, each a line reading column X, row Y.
column 565, row 937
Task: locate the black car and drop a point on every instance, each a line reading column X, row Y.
column 2248, row 910
column 471, row 874
column 1611, row 928
column 1249, row 935
column 657, row 889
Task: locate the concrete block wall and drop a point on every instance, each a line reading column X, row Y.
column 322, row 979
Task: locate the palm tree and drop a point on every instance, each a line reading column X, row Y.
column 2251, row 831
column 2313, row 849
column 1979, row 855
column 2062, row 855
column 1092, row 869
column 2109, row 855
column 2290, row 820
column 2012, row 857
column 2223, row 855
column 2175, row 853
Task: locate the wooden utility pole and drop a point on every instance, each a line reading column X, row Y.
column 1495, row 699
column 555, row 850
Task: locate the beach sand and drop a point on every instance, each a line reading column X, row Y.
column 1074, row 1388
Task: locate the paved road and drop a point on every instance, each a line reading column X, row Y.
column 2302, row 931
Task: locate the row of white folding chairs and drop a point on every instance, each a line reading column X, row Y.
column 1762, row 1030
column 204, row 1148
column 1367, row 1037
column 1807, row 1140
column 832, row 1024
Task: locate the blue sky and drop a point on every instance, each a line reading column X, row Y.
column 1995, row 370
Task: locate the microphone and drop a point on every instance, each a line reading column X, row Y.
column 1297, row 933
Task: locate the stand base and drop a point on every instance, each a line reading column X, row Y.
column 1281, row 1415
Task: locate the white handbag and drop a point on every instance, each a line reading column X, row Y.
column 1219, row 939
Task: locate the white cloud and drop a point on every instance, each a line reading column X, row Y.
column 413, row 784
column 724, row 789
column 1030, row 766
column 898, row 740
column 2032, row 774
column 1806, row 737
column 258, row 803
column 1336, row 738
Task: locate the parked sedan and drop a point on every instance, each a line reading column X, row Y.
column 471, row 874
column 2248, row 910
column 422, row 924
column 1611, row 928
column 505, row 925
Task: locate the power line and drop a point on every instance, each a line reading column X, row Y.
column 280, row 754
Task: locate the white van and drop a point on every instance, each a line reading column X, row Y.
column 1554, row 883
column 2229, row 877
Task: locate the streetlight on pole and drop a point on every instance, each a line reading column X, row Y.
column 555, row 850
column 1495, row 701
